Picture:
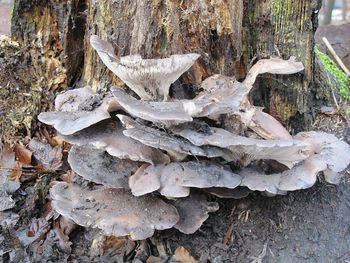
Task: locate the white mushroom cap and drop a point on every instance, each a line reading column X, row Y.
column 114, row 211
column 142, row 183
column 99, row 167
column 287, row 152
column 175, row 179
column 329, row 150
column 164, row 141
column 159, row 112
column 108, row 135
column 273, row 66
column 193, row 211
column 67, row 123
column 301, row 176
column 71, row 99
column 148, row 78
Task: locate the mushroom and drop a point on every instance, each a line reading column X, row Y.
column 330, row 151
column 164, row 141
column 224, row 95
column 99, row 167
column 167, row 113
column 114, row 211
column 108, row 135
column 193, row 211
column 229, row 96
column 71, row 99
column 68, row 123
column 175, row 179
column 273, row 65
column 150, row 79
column 286, row 152
column 236, row 193
column 142, row 183
column 301, row 176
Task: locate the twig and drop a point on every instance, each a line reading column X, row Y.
column 336, row 57
column 261, row 256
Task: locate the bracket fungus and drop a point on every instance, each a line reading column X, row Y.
column 115, row 211
column 150, row 79
column 152, row 161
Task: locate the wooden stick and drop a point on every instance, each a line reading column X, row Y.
column 336, row 57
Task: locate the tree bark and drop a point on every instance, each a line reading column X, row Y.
column 327, row 19
column 229, row 35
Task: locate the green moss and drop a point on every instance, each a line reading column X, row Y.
column 342, row 79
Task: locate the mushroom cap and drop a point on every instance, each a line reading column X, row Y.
column 193, row 211
column 330, row 151
column 71, row 99
column 142, row 183
column 223, row 94
column 175, row 179
column 267, row 126
column 284, row 151
column 108, row 135
column 67, row 123
column 99, row 167
column 148, row 78
column 162, row 140
column 273, row 65
column 301, row 176
column 114, row 211
column 236, row 193
column 158, row 112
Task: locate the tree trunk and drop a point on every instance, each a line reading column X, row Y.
column 327, row 19
column 229, row 35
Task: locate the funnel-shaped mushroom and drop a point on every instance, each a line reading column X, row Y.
column 193, row 211
column 71, row 99
column 287, row 152
column 67, row 123
column 176, row 178
column 115, row 211
column 273, row 66
column 148, row 78
column 99, row 167
column 330, row 151
column 108, row 135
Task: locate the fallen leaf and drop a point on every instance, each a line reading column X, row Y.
column 23, row 154
column 153, row 259
column 183, row 256
column 49, row 157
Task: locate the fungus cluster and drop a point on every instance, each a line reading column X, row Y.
column 150, row 163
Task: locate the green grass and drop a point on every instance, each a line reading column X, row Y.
column 342, row 79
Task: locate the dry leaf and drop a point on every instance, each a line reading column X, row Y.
column 183, row 256
column 49, row 157
column 23, row 154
